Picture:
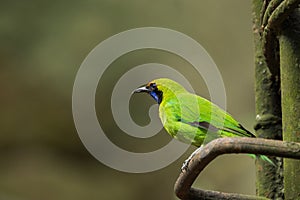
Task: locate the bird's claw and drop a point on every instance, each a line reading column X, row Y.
column 187, row 161
column 185, row 164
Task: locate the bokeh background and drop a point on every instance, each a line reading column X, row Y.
column 42, row 46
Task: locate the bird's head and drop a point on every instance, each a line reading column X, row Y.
column 161, row 88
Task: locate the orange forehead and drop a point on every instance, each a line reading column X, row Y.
column 148, row 84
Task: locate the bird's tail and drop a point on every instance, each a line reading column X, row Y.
column 267, row 159
column 264, row 158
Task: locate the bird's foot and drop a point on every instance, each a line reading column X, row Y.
column 187, row 161
column 185, row 164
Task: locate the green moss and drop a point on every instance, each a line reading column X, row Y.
column 268, row 109
column 290, row 86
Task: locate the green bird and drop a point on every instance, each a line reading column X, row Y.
column 191, row 118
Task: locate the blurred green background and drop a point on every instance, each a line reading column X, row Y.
column 43, row 44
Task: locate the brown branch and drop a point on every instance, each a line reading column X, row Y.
column 183, row 185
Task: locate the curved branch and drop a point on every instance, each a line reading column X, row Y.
column 276, row 12
column 268, row 10
column 221, row 146
column 281, row 13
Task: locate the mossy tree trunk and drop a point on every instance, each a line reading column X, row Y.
column 268, row 109
column 290, row 86
column 277, row 71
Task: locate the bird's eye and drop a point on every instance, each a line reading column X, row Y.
column 152, row 85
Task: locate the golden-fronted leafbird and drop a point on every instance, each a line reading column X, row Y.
column 191, row 118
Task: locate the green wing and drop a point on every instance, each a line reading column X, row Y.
column 201, row 113
column 198, row 120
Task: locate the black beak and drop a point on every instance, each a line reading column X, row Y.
column 141, row 89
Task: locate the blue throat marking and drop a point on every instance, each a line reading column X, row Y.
column 156, row 96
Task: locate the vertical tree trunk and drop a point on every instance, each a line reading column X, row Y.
column 268, row 109
column 290, row 87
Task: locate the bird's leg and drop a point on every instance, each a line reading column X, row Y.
column 187, row 161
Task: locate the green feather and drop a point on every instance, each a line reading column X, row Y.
column 191, row 118
column 267, row 159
